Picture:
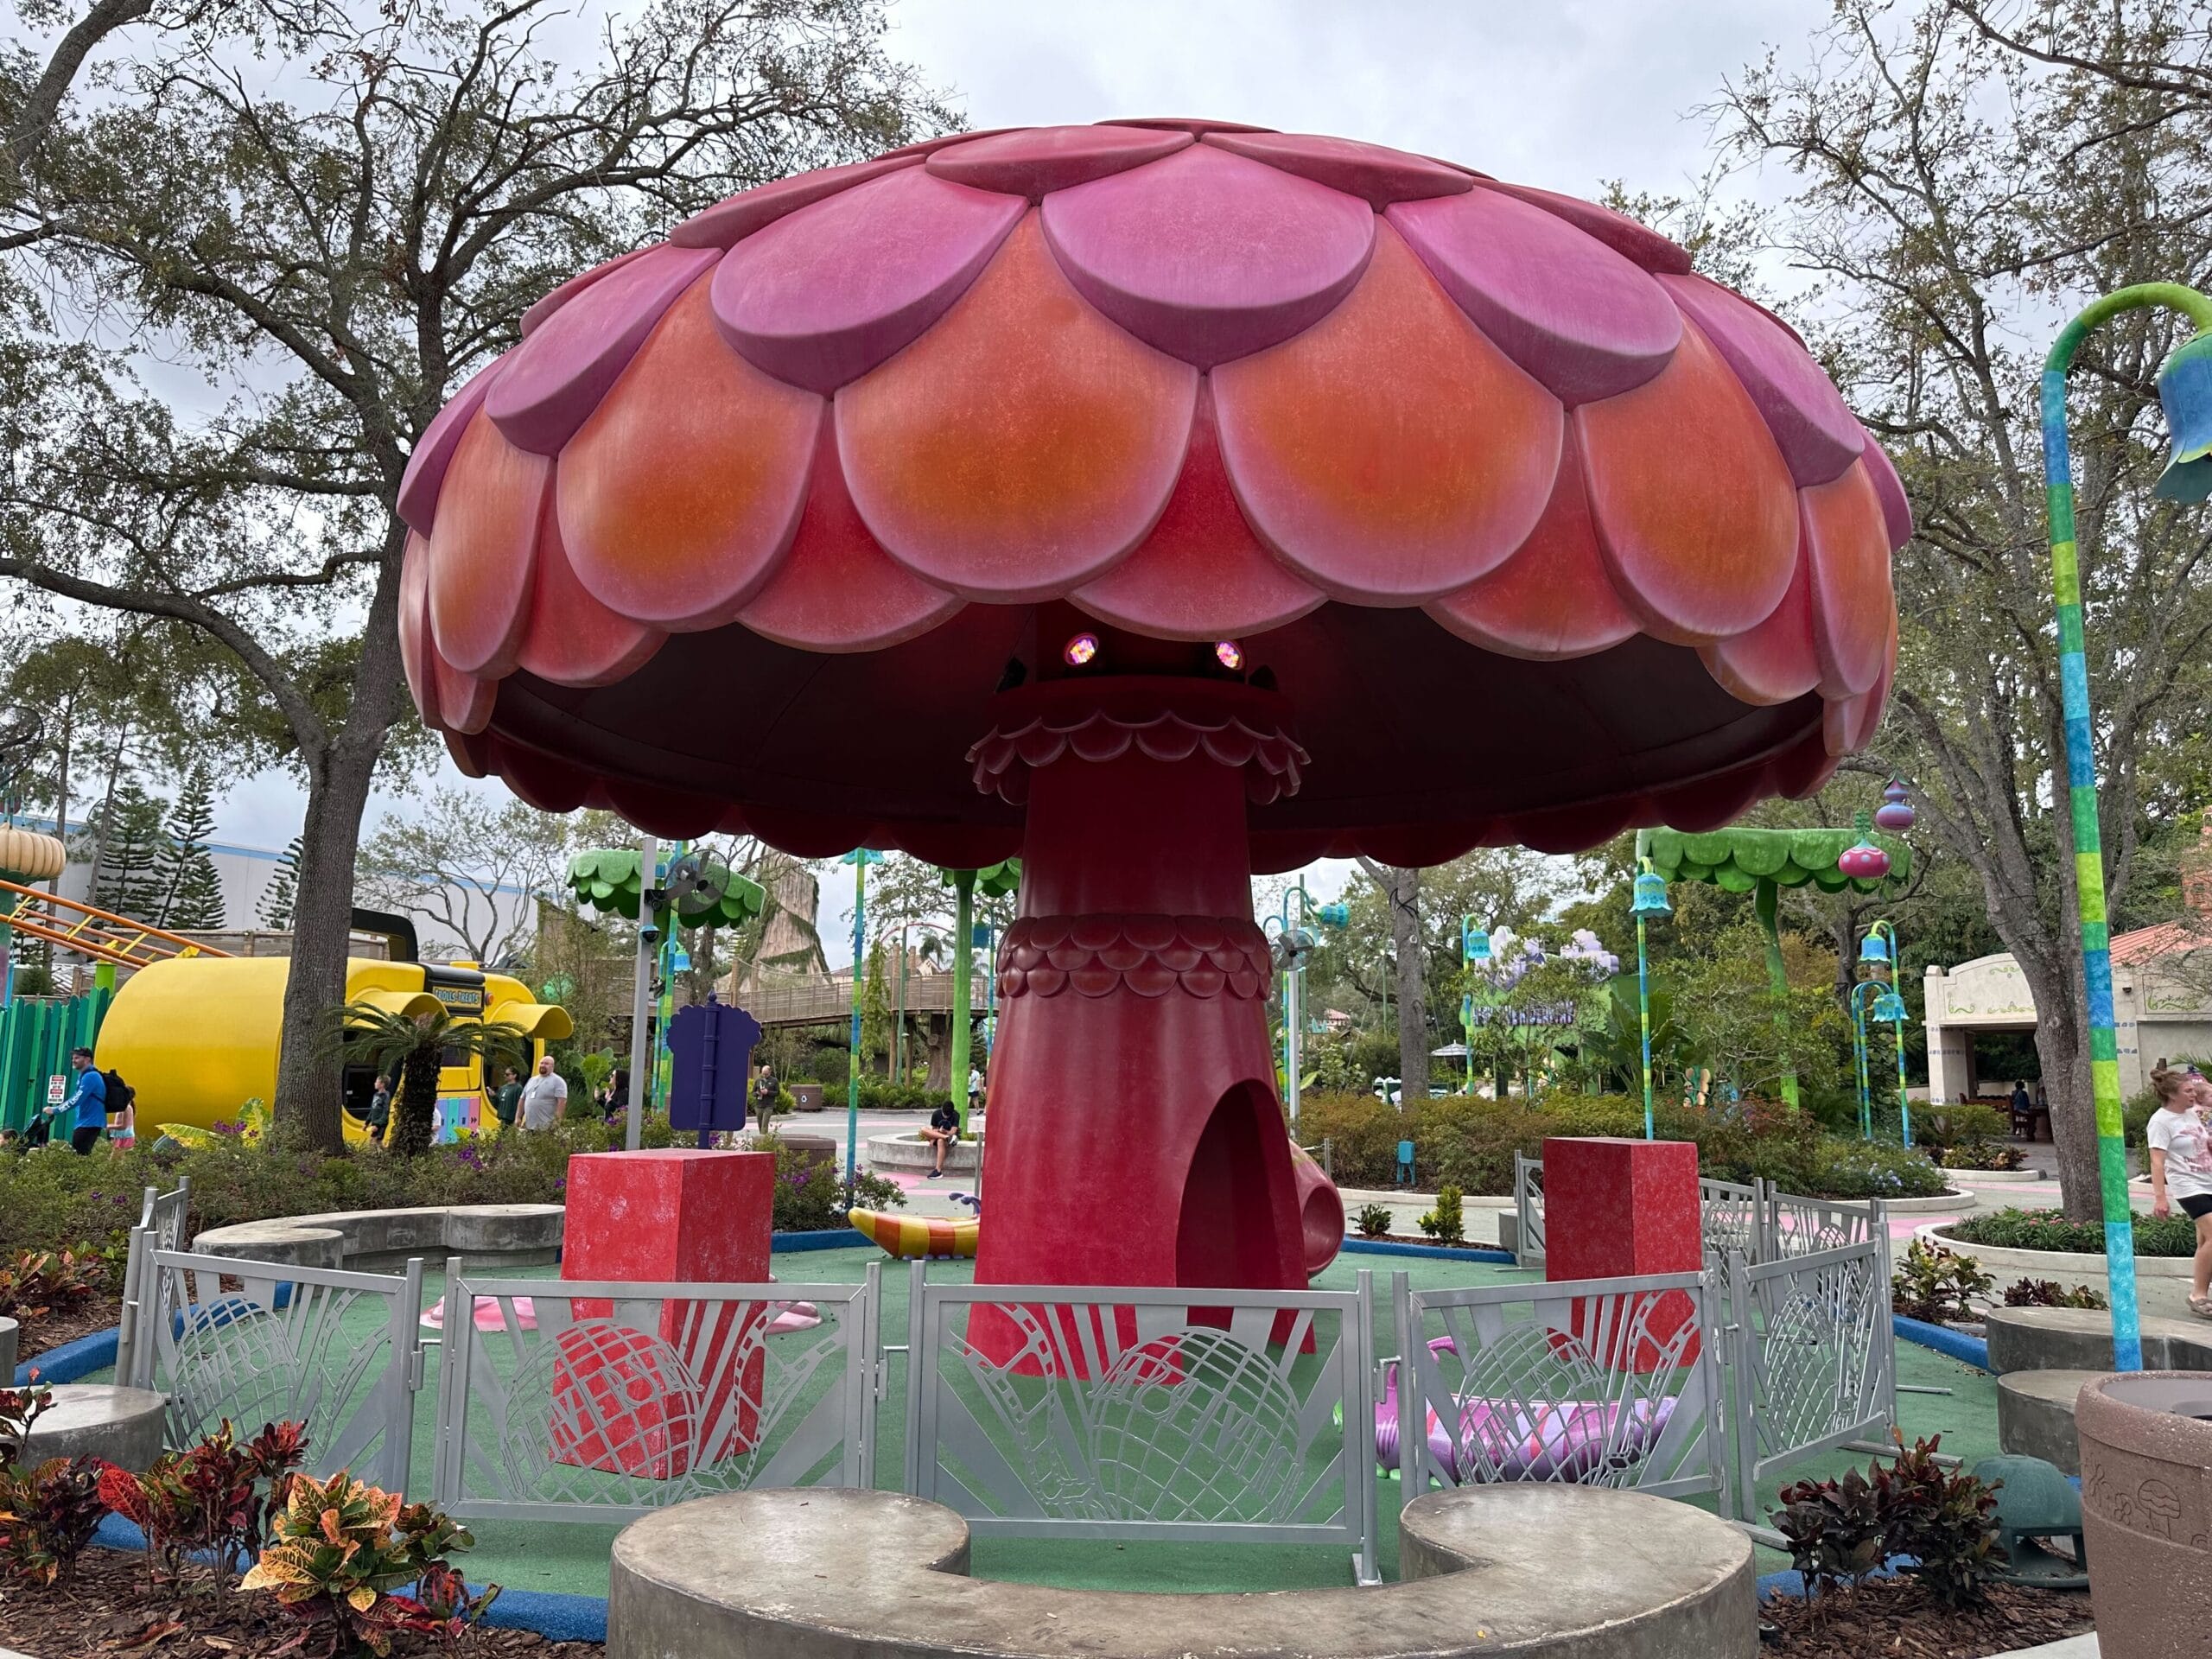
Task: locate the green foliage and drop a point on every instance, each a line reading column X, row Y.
column 1984, row 1155
column 341, row 1550
column 1373, row 1220
column 1447, row 1222
column 2050, row 1230
column 1944, row 1520
column 47, row 1518
column 127, row 827
column 607, row 879
column 810, row 1198
column 282, row 892
column 1944, row 1128
column 2048, row 1293
column 192, row 891
column 37, row 1282
column 1937, row 1285
column 1738, row 858
column 1834, row 1528
column 417, row 1046
column 214, row 1502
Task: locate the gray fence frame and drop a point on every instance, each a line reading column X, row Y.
column 1693, row 1447
column 1158, row 1314
column 1528, row 1206
column 843, row 1419
column 291, row 1313
column 161, row 1227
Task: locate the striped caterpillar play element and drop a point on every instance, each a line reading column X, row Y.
column 909, row 1237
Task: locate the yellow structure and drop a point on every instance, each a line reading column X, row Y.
column 197, row 1036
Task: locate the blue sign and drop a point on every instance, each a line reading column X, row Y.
column 710, row 1047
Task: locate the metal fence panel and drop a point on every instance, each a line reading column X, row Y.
column 1796, row 1226
column 1528, row 1205
column 161, row 1227
column 1730, row 1219
column 338, row 1351
column 1163, row 1413
column 1814, row 1356
column 1594, row 1382
column 601, row 1401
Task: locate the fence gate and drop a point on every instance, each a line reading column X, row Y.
column 1795, row 1226
column 1592, row 1382
column 161, row 1227
column 1730, row 1218
column 1529, row 1206
column 564, row 1400
column 338, row 1351
column 1059, row 1411
column 1813, row 1356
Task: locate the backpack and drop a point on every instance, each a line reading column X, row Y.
column 120, row 1095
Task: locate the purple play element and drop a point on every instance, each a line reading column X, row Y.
column 734, row 218
column 1375, row 173
column 1034, row 162
column 1644, row 245
column 1580, row 318
column 1819, row 437
column 1889, row 488
column 709, row 1045
column 535, row 317
column 820, row 298
column 433, row 453
column 1502, row 1439
column 554, row 379
column 1207, row 256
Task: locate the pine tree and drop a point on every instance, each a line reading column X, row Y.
column 129, row 880
column 193, row 891
column 277, row 899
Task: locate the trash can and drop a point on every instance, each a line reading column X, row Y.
column 817, row 1149
column 2146, row 1511
column 806, row 1097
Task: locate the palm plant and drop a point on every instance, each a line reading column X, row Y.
column 416, row 1045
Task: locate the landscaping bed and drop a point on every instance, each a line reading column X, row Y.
column 110, row 1607
column 1898, row 1617
column 51, row 1329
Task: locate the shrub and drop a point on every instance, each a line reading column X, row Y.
column 2048, row 1229
column 1373, row 1220
column 38, row 1282
column 810, row 1198
column 1836, row 1530
column 47, row 1518
column 1945, row 1127
column 1944, row 1520
column 1984, row 1155
column 218, row 1497
column 1446, row 1223
column 1937, row 1285
column 341, row 1550
column 19, row 1409
column 2048, row 1293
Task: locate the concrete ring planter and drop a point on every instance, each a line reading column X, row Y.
column 2023, row 1177
column 2146, row 1511
column 909, row 1154
column 1535, row 1572
column 123, row 1426
column 498, row 1234
column 2161, row 1281
column 1939, row 1203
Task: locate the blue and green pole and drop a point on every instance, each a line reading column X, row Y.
column 1887, row 929
column 1858, row 1050
column 860, row 858
column 2185, row 389
column 1649, row 891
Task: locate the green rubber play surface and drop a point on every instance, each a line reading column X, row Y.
column 572, row 1557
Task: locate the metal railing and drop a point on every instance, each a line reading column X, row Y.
column 1594, row 1382
column 161, row 1227
column 338, row 1351
column 1732, row 1217
column 1064, row 1411
column 1795, row 1226
column 581, row 1400
column 1528, row 1206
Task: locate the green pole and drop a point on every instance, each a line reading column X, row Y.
column 1889, row 929
column 664, row 1009
column 963, row 887
column 1643, row 986
column 1765, row 904
column 2081, row 794
column 1859, row 1053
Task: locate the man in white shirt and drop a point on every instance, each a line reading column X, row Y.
column 544, row 1097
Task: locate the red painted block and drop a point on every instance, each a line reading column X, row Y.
column 1615, row 1208
column 650, row 1405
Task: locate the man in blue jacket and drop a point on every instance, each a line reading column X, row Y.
column 88, row 1101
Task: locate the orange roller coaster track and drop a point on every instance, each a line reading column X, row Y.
column 99, row 934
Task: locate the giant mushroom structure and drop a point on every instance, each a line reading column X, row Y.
column 1163, row 501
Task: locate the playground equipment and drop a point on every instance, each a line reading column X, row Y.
column 1505, row 1439
column 914, row 1238
column 1174, row 477
column 198, row 1037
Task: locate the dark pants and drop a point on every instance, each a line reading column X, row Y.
column 86, row 1139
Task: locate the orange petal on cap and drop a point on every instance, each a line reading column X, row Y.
column 1850, row 724
column 1022, row 445
column 415, row 628
column 1552, row 599
column 1202, row 573
column 482, row 548
column 836, row 590
column 1389, row 454
column 1695, row 510
column 680, row 493
column 571, row 639
column 464, row 701
column 1774, row 661
column 1847, row 545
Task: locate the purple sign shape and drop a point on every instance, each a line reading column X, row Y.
column 710, row 1046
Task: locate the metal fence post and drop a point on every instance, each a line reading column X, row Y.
column 921, row 1369
column 1359, row 1434
column 863, row 1354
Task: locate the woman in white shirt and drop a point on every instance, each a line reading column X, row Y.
column 2180, row 1137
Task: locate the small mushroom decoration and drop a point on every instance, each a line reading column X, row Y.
column 1894, row 814
column 1864, row 860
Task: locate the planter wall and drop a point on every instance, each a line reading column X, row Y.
column 2161, row 1281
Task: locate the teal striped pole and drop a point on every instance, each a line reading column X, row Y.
column 2082, row 793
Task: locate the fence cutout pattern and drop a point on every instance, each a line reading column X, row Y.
column 161, row 1227
column 1813, row 1354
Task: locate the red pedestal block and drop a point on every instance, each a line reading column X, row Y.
column 1615, row 1208
column 651, row 1406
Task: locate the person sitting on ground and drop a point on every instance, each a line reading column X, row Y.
column 86, row 1106
column 506, row 1099
column 2181, row 1167
column 544, row 1097
column 941, row 1131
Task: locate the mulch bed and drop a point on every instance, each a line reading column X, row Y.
column 1886, row 1617
column 48, row 1331
column 110, row 1607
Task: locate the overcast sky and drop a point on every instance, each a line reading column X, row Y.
column 1563, row 93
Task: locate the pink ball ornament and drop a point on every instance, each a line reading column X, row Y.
column 1864, row 862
